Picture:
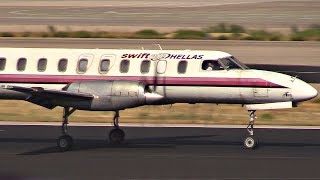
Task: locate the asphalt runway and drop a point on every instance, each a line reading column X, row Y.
column 30, row 152
column 127, row 15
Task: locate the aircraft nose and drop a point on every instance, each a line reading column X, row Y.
column 302, row 91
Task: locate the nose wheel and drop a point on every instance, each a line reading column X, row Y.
column 116, row 135
column 251, row 141
column 65, row 143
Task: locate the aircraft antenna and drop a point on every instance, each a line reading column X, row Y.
column 294, row 78
column 159, row 46
column 142, row 47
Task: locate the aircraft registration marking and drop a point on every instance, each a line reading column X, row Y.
column 161, row 56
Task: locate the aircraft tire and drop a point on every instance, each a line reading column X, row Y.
column 65, row 143
column 250, row 142
column 116, row 136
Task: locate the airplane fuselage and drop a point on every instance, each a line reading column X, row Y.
column 178, row 76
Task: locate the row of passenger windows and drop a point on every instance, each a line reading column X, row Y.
column 62, row 65
column 83, row 65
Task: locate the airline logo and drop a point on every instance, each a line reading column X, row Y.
column 161, row 56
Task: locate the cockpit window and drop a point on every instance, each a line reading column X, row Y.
column 232, row 63
column 243, row 66
column 223, row 63
column 210, row 65
column 229, row 64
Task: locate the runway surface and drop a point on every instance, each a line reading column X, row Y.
column 127, row 15
column 159, row 153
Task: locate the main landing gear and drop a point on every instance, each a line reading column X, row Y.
column 65, row 142
column 250, row 141
column 116, row 135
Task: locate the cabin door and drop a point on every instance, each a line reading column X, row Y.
column 161, row 66
column 159, row 76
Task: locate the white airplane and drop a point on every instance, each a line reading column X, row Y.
column 114, row 80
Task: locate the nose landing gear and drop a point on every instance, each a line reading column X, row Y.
column 250, row 141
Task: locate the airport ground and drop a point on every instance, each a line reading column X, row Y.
column 30, row 152
column 164, row 16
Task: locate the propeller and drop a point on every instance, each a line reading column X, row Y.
column 159, row 65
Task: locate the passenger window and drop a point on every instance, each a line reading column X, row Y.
column 182, row 67
column 62, row 65
column 3, row 62
column 42, row 64
column 124, row 66
column 82, row 65
column 21, row 64
column 104, row 65
column 210, row 65
column 145, row 66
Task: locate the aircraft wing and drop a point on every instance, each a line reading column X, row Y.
column 48, row 98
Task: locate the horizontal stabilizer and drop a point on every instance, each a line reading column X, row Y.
column 278, row 105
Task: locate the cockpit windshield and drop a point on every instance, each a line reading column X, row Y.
column 226, row 63
column 243, row 66
column 232, row 63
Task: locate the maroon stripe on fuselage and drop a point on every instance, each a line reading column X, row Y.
column 151, row 80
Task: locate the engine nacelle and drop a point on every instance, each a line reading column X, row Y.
column 111, row 95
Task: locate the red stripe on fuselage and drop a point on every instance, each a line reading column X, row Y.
column 151, row 80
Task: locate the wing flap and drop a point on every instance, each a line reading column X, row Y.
column 50, row 98
column 47, row 93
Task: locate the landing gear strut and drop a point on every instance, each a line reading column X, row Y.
column 250, row 141
column 65, row 142
column 116, row 135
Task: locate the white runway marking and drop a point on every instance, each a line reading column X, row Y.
column 151, row 13
column 83, row 124
column 223, row 156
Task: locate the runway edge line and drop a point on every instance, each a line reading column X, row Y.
column 17, row 123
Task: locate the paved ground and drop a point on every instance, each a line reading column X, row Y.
column 159, row 153
column 127, row 15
